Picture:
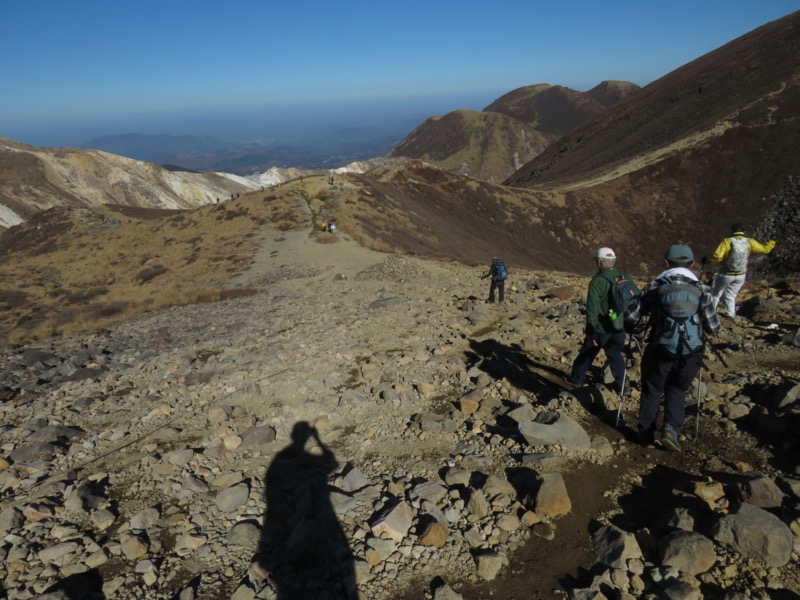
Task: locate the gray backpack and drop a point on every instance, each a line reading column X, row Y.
column 678, row 329
column 740, row 251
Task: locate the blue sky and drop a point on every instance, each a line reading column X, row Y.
column 80, row 65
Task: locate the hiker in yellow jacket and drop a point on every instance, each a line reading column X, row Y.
column 732, row 254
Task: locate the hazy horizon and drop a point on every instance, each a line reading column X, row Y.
column 264, row 71
column 290, row 124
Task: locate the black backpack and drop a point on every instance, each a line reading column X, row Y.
column 678, row 328
column 621, row 295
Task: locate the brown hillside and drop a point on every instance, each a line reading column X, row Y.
column 418, row 209
column 513, row 129
column 518, row 103
column 489, row 146
column 608, row 93
column 68, row 270
column 693, row 151
column 555, row 109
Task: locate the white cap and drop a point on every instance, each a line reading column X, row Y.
column 605, row 253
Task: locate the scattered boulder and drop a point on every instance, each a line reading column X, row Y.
column 755, row 533
column 616, row 547
column 394, row 522
column 552, row 499
column 688, row 552
column 552, row 428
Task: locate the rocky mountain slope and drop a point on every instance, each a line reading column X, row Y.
column 700, row 148
column 351, row 424
column 493, row 143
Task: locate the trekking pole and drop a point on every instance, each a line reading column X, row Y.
column 628, row 357
column 627, row 352
column 638, row 345
column 622, row 393
column 699, row 403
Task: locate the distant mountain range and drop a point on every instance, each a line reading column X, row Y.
column 328, row 150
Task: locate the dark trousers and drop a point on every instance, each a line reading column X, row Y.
column 500, row 286
column 610, row 343
column 665, row 376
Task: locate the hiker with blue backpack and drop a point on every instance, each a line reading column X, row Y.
column 610, row 291
column 498, row 272
column 681, row 314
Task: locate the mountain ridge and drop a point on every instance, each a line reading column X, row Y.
column 705, row 146
column 534, row 116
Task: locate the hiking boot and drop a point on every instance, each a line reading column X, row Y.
column 570, row 382
column 669, row 439
column 646, row 438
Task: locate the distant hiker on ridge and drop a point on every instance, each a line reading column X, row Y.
column 498, row 272
column 680, row 310
column 604, row 327
column 734, row 252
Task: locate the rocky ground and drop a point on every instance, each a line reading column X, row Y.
column 367, row 427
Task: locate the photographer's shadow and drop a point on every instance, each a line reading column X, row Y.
column 302, row 547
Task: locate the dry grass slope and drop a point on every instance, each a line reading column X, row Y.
column 69, row 270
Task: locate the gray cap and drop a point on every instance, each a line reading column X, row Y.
column 680, row 254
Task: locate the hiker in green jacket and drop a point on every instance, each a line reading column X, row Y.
column 601, row 332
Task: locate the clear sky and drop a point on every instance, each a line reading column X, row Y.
column 99, row 64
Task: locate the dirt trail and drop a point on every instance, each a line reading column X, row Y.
column 328, row 254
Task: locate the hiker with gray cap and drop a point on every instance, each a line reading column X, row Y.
column 604, row 328
column 681, row 313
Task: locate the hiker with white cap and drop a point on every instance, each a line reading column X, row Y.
column 681, row 313
column 604, row 328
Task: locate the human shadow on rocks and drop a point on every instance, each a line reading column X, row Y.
column 81, row 586
column 772, row 425
column 303, row 548
column 514, row 364
column 664, row 500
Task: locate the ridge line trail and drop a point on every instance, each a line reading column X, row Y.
column 651, row 157
column 691, row 140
